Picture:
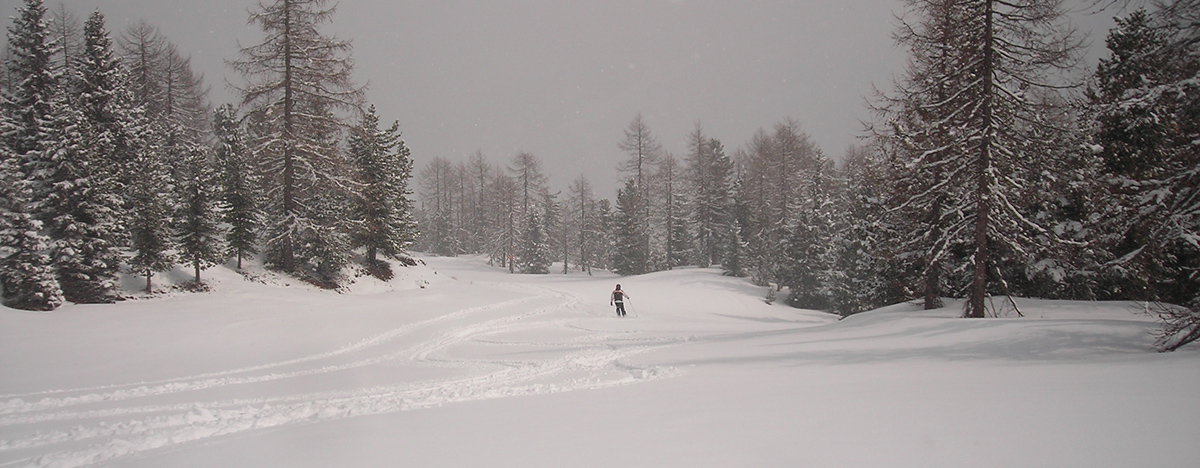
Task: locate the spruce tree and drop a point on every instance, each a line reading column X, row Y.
column 859, row 260
column 1147, row 103
column 80, row 206
column 197, row 218
column 534, row 255
column 711, row 174
column 27, row 277
column 151, row 207
column 644, row 152
column 629, row 256
column 80, row 214
column 239, row 195
column 383, row 217
column 27, row 103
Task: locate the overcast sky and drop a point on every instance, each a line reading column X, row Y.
column 562, row 79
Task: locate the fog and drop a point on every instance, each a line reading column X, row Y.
column 562, row 80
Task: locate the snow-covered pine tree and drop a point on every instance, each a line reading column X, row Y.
column 678, row 248
column 534, row 255
column 150, row 205
column 383, row 220
column 918, row 128
column 808, row 254
column 239, row 184
column 81, row 207
column 1147, row 101
column 27, row 279
column 644, row 151
column 978, row 83
column 582, row 223
column 198, row 229
column 79, row 213
column 1014, row 47
column 711, row 177
column 322, row 242
column 295, row 80
column 118, row 124
column 437, row 196
column 735, row 262
column 552, row 224
column 629, row 256
column 859, row 268
column 605, row 234
column 27, row 104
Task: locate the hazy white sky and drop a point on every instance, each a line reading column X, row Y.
column 562, row 79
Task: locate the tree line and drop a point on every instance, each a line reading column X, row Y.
column 991, row 168
column 112, row 159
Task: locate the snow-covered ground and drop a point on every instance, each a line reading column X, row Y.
column 459, row 364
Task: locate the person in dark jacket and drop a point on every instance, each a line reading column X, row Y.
column 618, row 298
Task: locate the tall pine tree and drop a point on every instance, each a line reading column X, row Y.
column 383, row 211
column 239, row 185
column 297, row 78
column 197, row 219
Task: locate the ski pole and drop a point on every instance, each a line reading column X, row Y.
column 631, row 308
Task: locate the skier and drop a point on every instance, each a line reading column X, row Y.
column 618, row 298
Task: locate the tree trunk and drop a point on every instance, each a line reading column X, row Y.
column 976, row 302
column 289, row 171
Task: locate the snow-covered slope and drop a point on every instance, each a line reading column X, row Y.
column 459, row 364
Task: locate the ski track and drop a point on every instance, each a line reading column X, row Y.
column 124, row 428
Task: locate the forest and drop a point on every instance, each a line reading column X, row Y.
column 994, row 166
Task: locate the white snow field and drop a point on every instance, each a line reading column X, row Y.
column 481, row 368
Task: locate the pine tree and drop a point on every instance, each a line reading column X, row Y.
column 807, row 263
column 151, row 208
column 80, row 206
column 382, row 212
column 534, row 255
column 27, row 278
column 1147, row 106
column 644, row 152
column 436, row 184
column 605, row 234
column 582, row 222
column 972, row 104
column 322, row 244
column 711, row 174
column 734, row 261
column 117, row 124
column 629, row 256
column 296, row 79
column 27, row 104
column 79, row 213
column 197, row 220
column 858, row 273
column 238, row 183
